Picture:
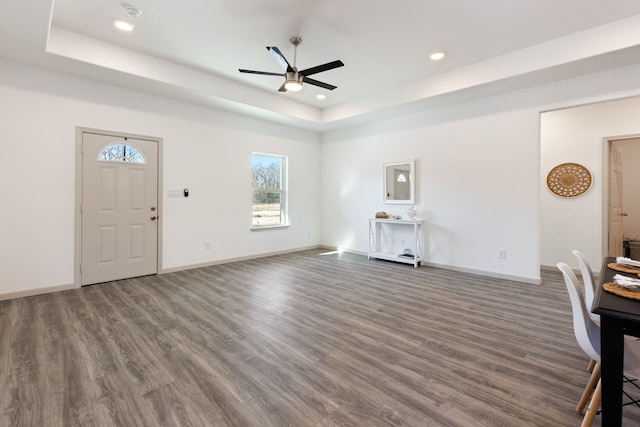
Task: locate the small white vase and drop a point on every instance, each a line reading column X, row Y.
column 412, row 212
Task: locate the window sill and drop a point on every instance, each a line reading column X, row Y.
column 268, row 227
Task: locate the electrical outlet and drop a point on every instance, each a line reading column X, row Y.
column 207, row 245
column 502, row 253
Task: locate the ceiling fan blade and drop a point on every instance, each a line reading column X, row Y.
column 282, row 88
column 321, row 68
column 266, row 73
column 280, row 58
column 318, row 83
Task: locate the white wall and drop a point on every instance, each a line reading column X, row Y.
column 478, row 177
column 478, row 166
column 206, row 150
column 474, row 186
column 578, row 135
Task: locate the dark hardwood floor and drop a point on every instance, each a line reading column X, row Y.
column 305, row 339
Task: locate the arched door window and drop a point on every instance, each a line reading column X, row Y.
column 120, row 152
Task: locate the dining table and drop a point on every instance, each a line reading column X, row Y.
column 619, row 316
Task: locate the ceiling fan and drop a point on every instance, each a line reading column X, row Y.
column 293, row 77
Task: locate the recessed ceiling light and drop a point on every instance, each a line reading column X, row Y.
column 437, row 56
column 321, row 96
column 123, row 25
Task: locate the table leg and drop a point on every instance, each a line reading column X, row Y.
column 612, row 354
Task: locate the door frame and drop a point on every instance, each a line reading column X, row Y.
column 80, row 131
column 606, row 177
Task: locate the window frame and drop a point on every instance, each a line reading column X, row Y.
column 283, row 191
column 137, row 158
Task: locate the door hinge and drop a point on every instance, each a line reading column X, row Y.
column 80, row 268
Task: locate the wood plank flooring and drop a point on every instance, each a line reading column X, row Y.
column 304, row 339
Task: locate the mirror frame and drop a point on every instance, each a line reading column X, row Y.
column 412, row 183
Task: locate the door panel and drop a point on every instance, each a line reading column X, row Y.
column 136, row 239
column 107, row 244
column 615, row 200
column 119, row 202
column 136, row 182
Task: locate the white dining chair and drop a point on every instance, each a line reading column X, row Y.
column 589, row 290
column 589, row 283
column 587, row 333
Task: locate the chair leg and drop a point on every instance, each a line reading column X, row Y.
column 588, row 390
column 592, row 364
column 592, row 410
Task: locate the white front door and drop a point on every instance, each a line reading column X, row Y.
column 119, row 208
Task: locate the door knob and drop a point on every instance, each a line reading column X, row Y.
column 625, row 214
column 153, row 218
column 153, row 208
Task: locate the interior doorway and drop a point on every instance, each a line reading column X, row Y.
column 623, row 202
column 118, row 190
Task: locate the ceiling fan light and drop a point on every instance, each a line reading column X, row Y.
column 293, row 83
column 293, row 86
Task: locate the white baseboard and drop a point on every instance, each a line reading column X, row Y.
column 494, row 274
column 596, row 273
column 57, row 288
column 35, row 291
column 523, row 279
column 229, row 260
column 49, row 289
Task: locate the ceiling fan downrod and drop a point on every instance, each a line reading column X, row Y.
column 295, row 41
column 293, row 81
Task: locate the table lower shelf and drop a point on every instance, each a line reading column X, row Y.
column 394, row 257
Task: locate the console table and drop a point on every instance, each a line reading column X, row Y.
column 416, row 246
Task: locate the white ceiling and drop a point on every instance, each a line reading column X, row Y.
column 192, row 49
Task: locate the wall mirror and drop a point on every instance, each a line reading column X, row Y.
column 399, row 183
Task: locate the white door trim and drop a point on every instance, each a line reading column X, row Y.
column 79, row 180
column 606, row 145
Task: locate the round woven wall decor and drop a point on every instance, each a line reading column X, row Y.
column 569, row 180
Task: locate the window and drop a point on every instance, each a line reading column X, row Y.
column 269, row 178
column 121, row 153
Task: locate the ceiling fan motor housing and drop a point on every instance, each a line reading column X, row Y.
column 293, row 81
